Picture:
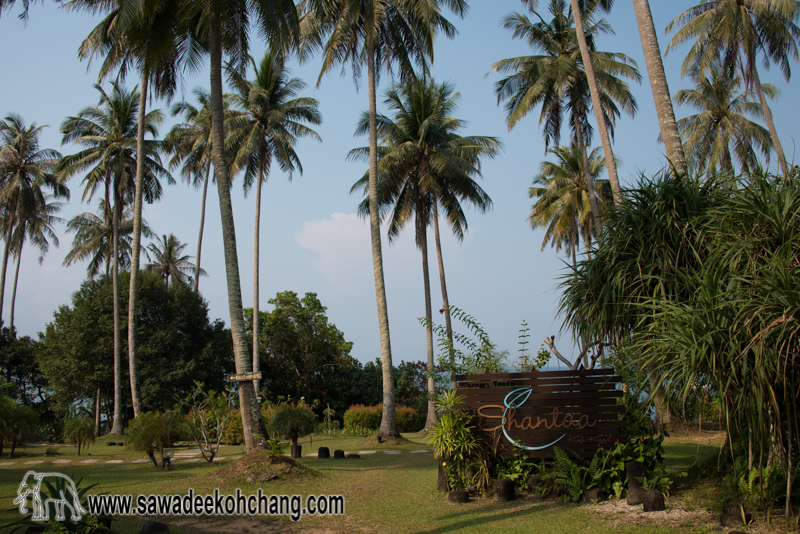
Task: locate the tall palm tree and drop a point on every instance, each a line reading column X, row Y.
column 168, row 261
column 562, row 207
column 742, row 30
column 36, row 227
column 722, row 129
column 594, row 90
column 24, row 170
column 220, row 27
column 268, row 130
column 556, row 78
column 424, row 162
column 190, row 144
column 385, row 33
column 145, row 36
column 659, row 86
column 108, row 131
column 94, row 236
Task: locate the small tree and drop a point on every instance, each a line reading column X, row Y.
column 209, row 412
column 294, row 420
column 80, row 431
column 152, row 431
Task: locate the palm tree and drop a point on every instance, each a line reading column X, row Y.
column 563, row 208
column 266, row 131
column 722, row 129
column 35, row 226
column 384, row 33
column 94, row 235
column 659, row 86
column 24, row 170
column 23, row 15
column 741, row 30
column 107, row 130
column 556, row 78
column 422, row 163
column 190, row 143
column 218, row 27
column 168, row 261
column 144, row 35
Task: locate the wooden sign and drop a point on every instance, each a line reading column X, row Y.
column 245, row 377
column 576, row 411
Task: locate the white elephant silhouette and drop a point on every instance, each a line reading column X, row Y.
column 30, row 486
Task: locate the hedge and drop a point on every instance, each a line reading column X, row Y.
column 408, row 419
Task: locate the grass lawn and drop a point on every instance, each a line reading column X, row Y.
column 383, row 493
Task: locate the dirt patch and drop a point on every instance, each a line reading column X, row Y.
column 678, row 515
column 259, row 467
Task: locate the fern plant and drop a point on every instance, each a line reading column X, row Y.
column 569, row 478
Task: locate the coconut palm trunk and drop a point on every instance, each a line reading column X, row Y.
column 97, row 414
column 256, row 252
column 133, row 319
column 587, row 175
column 448, row 325
column 251, row 417
column 422, row 225
column 602, row 128
column 659, row 86
column 202, row 224
column 773, row 133
column 14, row 291
column 117, row 427
column 388, row 422
column 6, row 250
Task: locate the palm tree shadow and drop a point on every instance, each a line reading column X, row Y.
column 487, row 520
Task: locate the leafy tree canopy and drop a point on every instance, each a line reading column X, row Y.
column 300, row 348
column 177, row 343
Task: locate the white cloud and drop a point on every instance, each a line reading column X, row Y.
column 342, row 246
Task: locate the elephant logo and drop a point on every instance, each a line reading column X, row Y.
column 31, row 485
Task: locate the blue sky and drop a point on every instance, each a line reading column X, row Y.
column 311, row 239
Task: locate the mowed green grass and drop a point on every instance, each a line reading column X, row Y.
column 384, row 493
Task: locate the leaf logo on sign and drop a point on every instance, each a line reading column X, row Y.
column 515, row 399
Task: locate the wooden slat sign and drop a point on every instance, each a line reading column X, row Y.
column 576, row 411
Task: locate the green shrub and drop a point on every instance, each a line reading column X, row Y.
column 453, row 439
column 408, row 419
column 294, row 420
column 234, row 432
column 79, row 431
column 152, row 431
column 369, row 418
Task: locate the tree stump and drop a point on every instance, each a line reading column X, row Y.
column 442, row 484
column 324, row 452
column 653, row 501
column 338, row 454
column 533, row 482
column 732, row 512
column 635, row 491
column 458, row 496
column 503, row 489
column 594, row 495
column 297, row 450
